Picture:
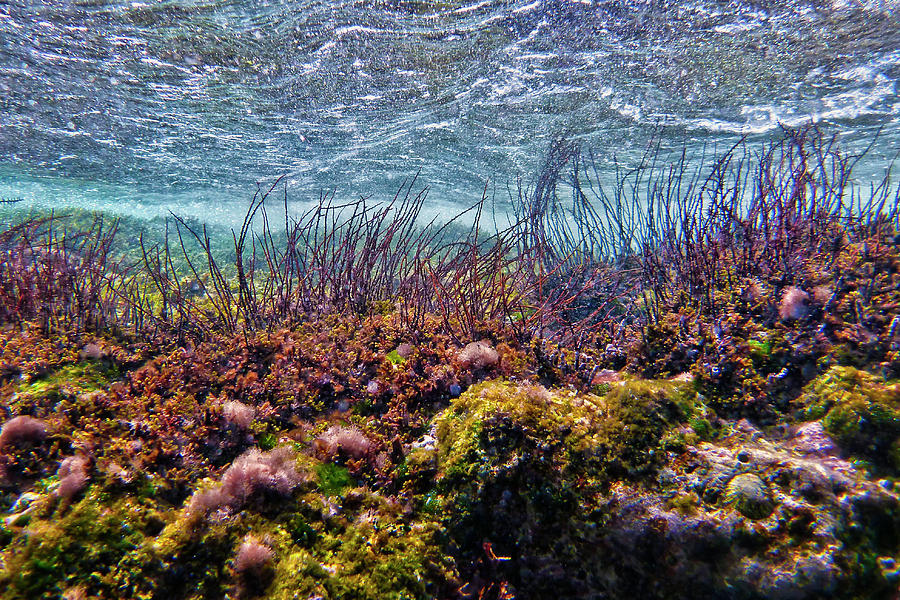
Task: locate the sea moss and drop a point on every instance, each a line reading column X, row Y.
column 861, row 410
column 333, row 479
column 63, row 385
column 359, row 546
column 521, row 470
column 615, row 434
column 374, row 556
column 185, row 561
column 78, row 546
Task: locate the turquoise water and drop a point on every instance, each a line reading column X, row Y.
column 145, row 107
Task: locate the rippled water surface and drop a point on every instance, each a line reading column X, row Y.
column 147, row 106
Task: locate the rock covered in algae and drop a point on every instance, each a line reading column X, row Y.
column 860, row 410
column 498, row 424
column 635, row 490
column 749, row 495
column 520, row 467
column 585, row 495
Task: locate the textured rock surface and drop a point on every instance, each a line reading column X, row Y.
column 426, row 485
column 750, row 515
column 828, row 524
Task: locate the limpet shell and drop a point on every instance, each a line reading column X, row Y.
column 749, row 495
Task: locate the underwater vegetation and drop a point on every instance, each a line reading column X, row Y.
column 687, row 385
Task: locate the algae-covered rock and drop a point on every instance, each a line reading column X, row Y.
column 859, row 409
column 614, row 435
column 77, row 546
column 372, row 550
column 520, row 469
column 801, row 524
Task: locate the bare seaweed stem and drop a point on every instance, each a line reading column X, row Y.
column 664, row 234
column 50, row 275
column 582, row 257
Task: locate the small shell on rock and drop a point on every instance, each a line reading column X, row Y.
column 749, row 495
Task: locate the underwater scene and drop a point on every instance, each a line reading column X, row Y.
column 476, row 300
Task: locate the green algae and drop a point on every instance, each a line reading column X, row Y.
column 694, row 411
column 184, row 561
column 701, row 427
column 78, row 546
column 333, row 479
column 613, row 435
column 71, row 379
column 373, row 556
column 522, row 468
column 685, row 504
column 760, row 349
column 301, row 532
column 6, row 536
column 861, row 411
column 363, row 562
column 365, row 547
column 394, row 358
column 266, row 441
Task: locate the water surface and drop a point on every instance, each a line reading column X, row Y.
column 143, row 107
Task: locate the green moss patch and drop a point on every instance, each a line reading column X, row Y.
column 604, row 436
column 75, row 547
column 861, row 411
column 524, row 469
column 366, row 561
column 69, row 381
column 333, row 479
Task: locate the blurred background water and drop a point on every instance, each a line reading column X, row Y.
column 144, row 107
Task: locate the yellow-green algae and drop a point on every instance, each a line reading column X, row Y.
column 369, row 552
column 516, row 468
column 612, row 435
column 861, row 411
column 77, row 545
column 359, row 545
column 337, row 541
column 67, row 381
column 522, row 472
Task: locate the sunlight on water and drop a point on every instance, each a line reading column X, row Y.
column 142, row 108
